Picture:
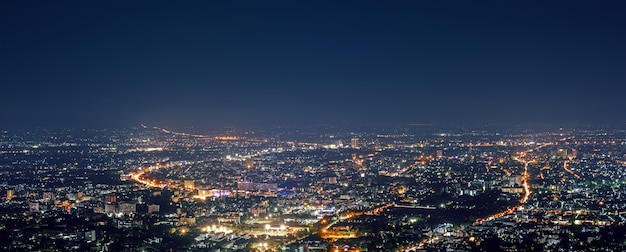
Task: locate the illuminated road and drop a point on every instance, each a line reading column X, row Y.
column 350, row 215
column 527, row 192
column 219, row 138
column 137, row 176
column 525, row 184
column 569, row 171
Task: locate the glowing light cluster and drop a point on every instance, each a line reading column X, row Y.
column 217, row 229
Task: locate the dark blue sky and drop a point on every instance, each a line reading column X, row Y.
column 117, row 63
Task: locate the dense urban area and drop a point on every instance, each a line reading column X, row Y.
column 415, row 187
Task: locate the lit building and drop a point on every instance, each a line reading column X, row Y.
column 340, row 232
column 249, row 163
column 125, row 177
column 439, row 154
column 330, row 180
column 187, row 221
column 127, row 208
column 110, row 209
column 257, row 210
column 48, row 196
column 109, row 199
column 518, row 190
column 10, row 194
column 154, row 208
column 89, row 236
column 355, row 142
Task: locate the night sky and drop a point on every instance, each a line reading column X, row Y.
column 122, row 63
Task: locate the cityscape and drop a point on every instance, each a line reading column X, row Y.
column 397, row 188
column 312, row 126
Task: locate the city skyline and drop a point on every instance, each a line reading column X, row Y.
column 312, row 126
column 113, row 63
column 313, row 189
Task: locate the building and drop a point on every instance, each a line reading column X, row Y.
column 10, row 194
column 48, row 196
column 518, row 190
column 257, row 210
column 187, row 221
column 110, row 208
column 154, row 208
column 89, row 236
column 109, row 199
column 330, row 180
column 355, row 142
column 251, row 186
column 33, row 207
column 439, row 154
column 249, row 163
column 124, row 177
column 127, row 208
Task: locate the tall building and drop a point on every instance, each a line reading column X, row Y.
column 355, row 142
column 249, row 163
column 10, row 194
